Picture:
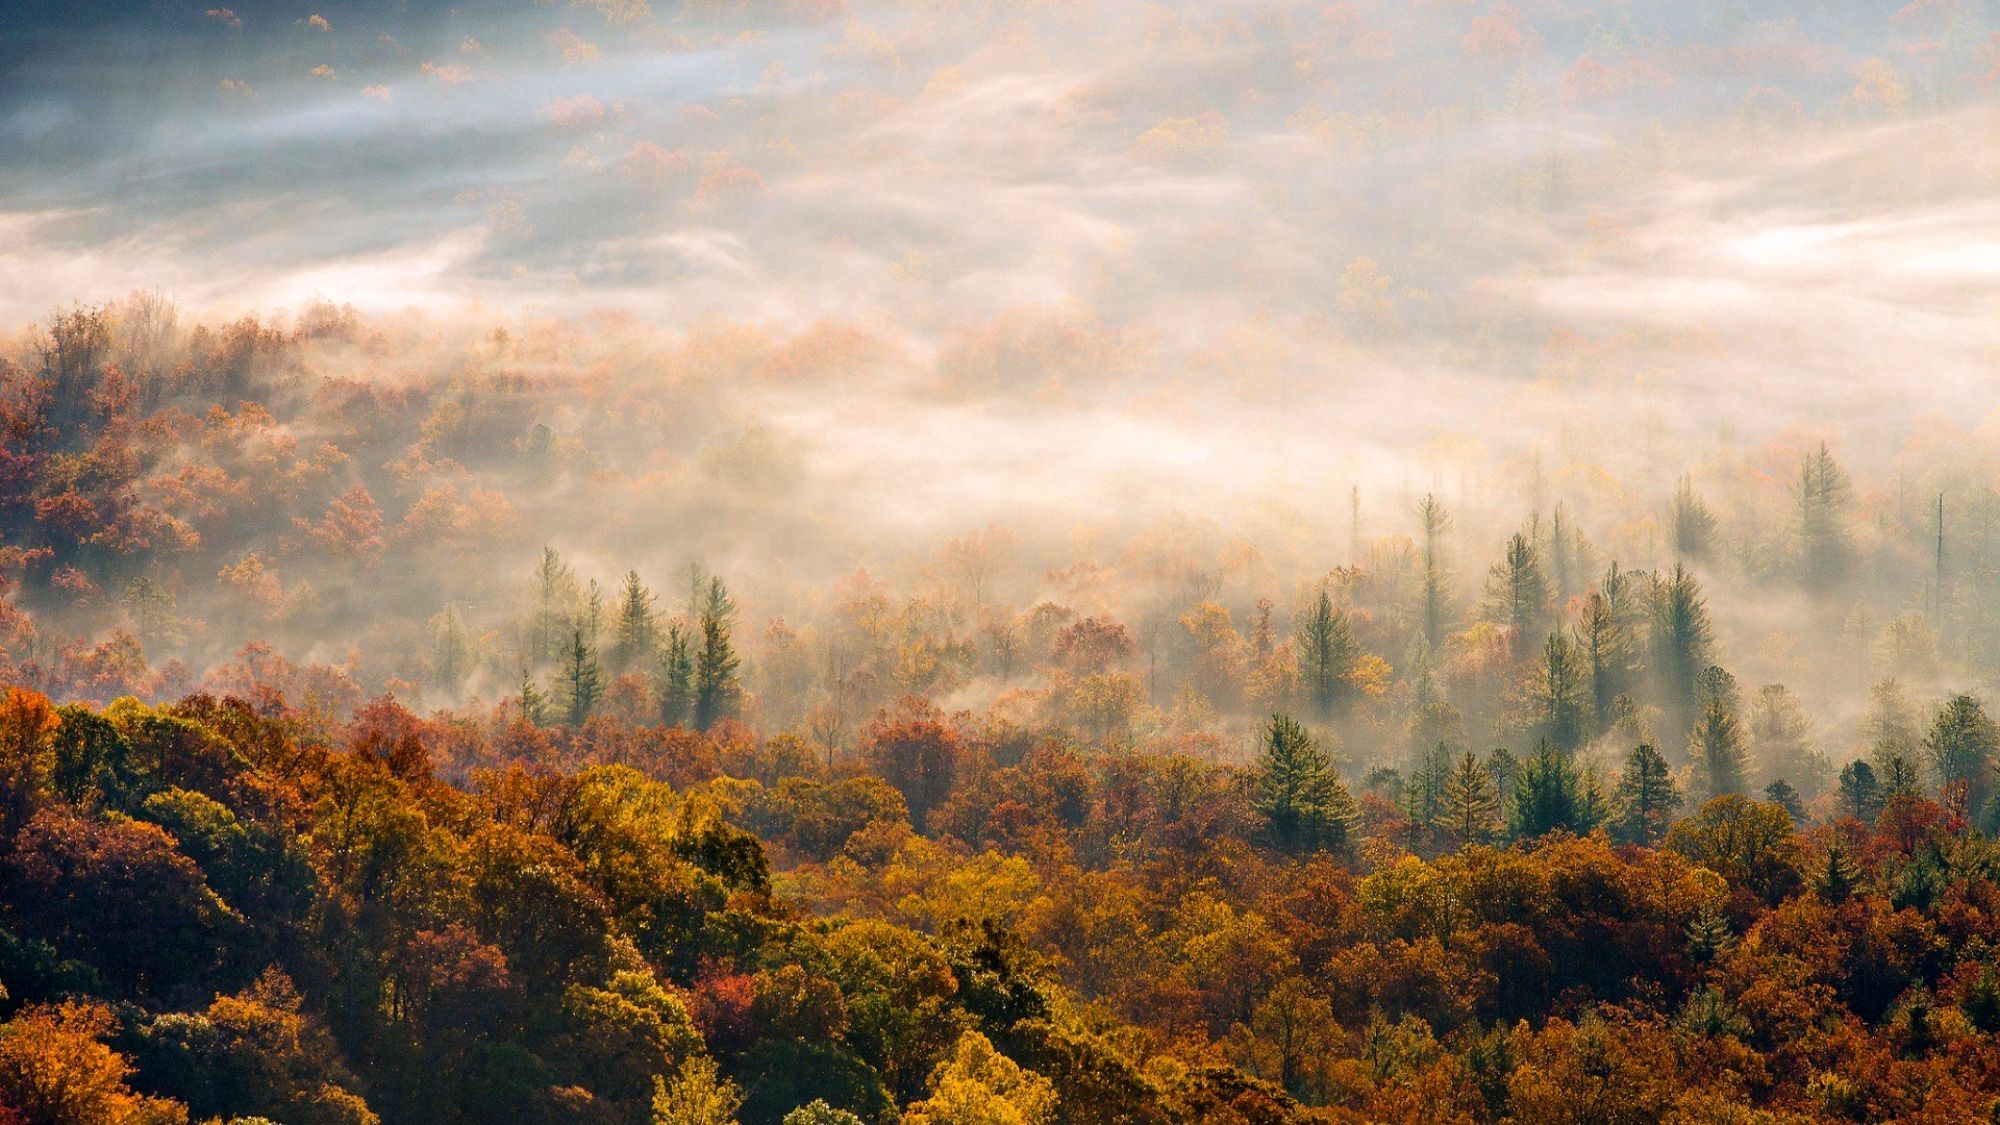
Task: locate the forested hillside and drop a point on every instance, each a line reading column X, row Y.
column 1420, row 836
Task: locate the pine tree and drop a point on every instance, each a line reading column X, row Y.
column 1327, row 654
column 1301, row 800
column 1963, row 743
column 1781, row 735
column 677, row 680
column 1471, row 801
column 715, row 684
column 1781, row 794
column 638, row 630
column 1708, row 933
column 556, row 595
column 1644, row 801
column 1681, row 643
column 1715, row 744
column 1423, row 791
column 582, row 682
column 1606, row 655
column 532, row 707
column 1559, row 695
column 1568, row 553
column 1838, row 873
column 1823, row 498
column 1518, row 594
column 592, row 614
column 1506, row 770
column 1552, row 794
column 1891, row 726
column 1693, row 523
column 1860, row 793
column 1434, row 520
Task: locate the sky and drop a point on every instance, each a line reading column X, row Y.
column 1079, row 250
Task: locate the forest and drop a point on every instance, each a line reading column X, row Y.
column 1115, row 562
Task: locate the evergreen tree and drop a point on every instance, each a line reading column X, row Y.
column 1715, row 744
column 1860, row 793
column 1781, row 736
column 532, row 707
column 677, row 680
column 1693, row 523
column 1891, row 727
column 1435, row 611
column 1963, row 743
column 1606, row 656
column 715, row 684
column 1645, row 799
column 1838, row 873
column 592, row 614
column 556, row 597
column 1823, row 494
column 582, row 683
column 1301, row 800
column 1708, row 935
column 1781, row 794
column 1327, row 653
column 451, row 651
column 1559, row 695
column 1506, row 770
column 1901, row 778
column 1424, row 790
column 1569, row 553
column 1681, row 643
column 638, row 629
column 1471, row 801
column 1552, row 794
column 1518, row 594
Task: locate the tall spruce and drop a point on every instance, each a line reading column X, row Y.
column 716, row 690
column 1681, row 645
column 1303, row 803
column 1645, row 799
column 1517, row 594
column 1327, row 652
column 1434, row 612
column 581, row 683
column 676, row 694
column 638, row 628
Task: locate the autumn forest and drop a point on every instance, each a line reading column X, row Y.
column 981, row 564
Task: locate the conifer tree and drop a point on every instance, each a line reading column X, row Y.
column 1553, row 793
column 715, row 669
column 582, row 682
column 556, row 596
column 677, row 679
column 1781, row 736
column 1838, row 873
column 1681, row 644
column 1435, row 610
column 1645, row 799
column 1303, row 803
column 1559, row 695
column 1327, row 653
column 532, row 706
column 1715, row 744
column 1781, row 794
column 1962, row 744
column 1471, row 801
column 638, row 629
column 1517, row 594
column 1823, row 494
column 1693, row 524
column 1860, row 792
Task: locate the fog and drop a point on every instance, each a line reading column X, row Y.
column 1144, row 298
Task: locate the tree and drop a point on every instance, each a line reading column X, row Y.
column 1471, row 801
column 1607, row 654
column 556, row 598
column 1435, row 611
column 1553, row 794
column 697, row 1095
column 1838, row 873
column 1302, row 802
column 1823, row 495
column 1328, row 655
column 533, row 708
column 638, row 629
column 1559, row 694
column 1681, row 642
column 1962, row 744
column 978, row 1085
column 55, row 1068
column 1644, row 801
column 676, row 680
column 715, row 685
column 1693, row 524
column 1781, row 794
column 1782, row 737
column 1752, row 844
column 916, row 751
column 1891, row 728
column 582, row 684
column 1518, row 594
column 1715, row 743
column 1860, row 792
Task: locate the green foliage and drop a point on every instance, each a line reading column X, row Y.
column 1302, row 801
column 1553, row 794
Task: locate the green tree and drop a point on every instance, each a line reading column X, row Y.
column 1693, row 524
column 1553, row 793
column 1962, row 745
column 1681, row 644
column 1517, row 593
column 1435, row 610
column 1471, row 801
column 582, row 684
column 677, row 680
column 1327, row 654
column 1860, row 792
column 1607, row 655
column 716, row 690
column 1715, row 743
column 1559, row 694
column 696, row 1095
column 1297, row 793
column 638, row 628
column 1644, row 801
column 1823, row 495
column 556, row 598
column 1781, row 735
